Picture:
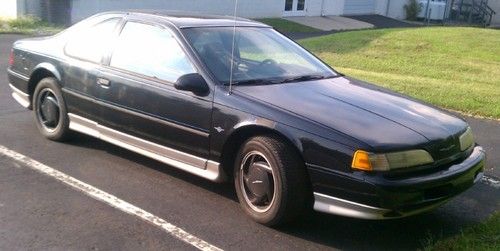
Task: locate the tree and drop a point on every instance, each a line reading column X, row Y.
column 412, row 9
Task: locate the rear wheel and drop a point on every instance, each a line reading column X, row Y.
column 50, row 110
column 271, row 181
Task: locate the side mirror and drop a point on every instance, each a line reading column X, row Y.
column 192, row 82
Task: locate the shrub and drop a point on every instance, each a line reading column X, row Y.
column 28, row 25
column 26, row 22
column 412, row 9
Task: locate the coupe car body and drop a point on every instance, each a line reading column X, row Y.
column 361, row 150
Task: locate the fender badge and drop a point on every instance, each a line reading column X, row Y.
column 219, row 129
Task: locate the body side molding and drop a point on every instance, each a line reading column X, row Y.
column 135, row 113
column 199, row 166
column 18, row 75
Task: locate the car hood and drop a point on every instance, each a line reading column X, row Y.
column 381, row 119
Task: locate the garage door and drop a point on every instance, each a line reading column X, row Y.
column 353, row 7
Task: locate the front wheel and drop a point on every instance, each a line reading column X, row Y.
column 271, row 181
column 50, row 110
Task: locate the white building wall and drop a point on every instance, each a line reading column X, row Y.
column 333, row 7
column 247, row 8
column 495, row 5
column 313, row 7
column 317, row 7
column 8, row 8
column 359, row 7
column 392, row 8
column 381, row 7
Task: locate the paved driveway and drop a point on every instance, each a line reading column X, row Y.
column 39, row 211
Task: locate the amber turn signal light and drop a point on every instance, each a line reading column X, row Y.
column 361, row 161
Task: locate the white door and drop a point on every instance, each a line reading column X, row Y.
column 356, row 7
column 295, row 8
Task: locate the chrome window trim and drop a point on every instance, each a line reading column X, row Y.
column 205, row 168
column 21, row 97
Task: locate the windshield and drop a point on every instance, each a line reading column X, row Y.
column 261, row 55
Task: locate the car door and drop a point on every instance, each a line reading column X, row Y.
column 138, row 95
column 86, row 48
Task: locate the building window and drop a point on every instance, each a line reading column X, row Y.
column 301, row 5
column 288, row 5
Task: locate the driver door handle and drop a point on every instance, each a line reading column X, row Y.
column 103, row 82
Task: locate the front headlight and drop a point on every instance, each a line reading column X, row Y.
column 466, row 139
column 366, row 161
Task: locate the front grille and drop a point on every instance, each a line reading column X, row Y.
column 444, row 149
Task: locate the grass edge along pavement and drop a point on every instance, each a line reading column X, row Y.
column 482, row 236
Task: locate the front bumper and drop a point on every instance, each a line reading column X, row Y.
column 376, row 197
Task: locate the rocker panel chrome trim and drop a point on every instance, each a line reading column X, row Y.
column 199, row 166
column 21, row 97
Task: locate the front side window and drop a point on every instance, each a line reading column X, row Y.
column 91, row 43
column 261, row 55
column 151, row 51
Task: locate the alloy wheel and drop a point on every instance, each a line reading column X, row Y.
column 257, row 181
column 48, row 109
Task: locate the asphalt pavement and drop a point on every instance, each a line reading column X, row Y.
column 40, row 212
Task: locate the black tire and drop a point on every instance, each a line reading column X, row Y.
column 48, row 98
column 291, row 189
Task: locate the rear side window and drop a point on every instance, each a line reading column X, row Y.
column 151, row 51
column 91, row 43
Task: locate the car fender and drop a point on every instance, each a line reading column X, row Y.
column 270, row 126
column 48, row 67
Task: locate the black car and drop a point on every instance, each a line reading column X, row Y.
column 234, row 99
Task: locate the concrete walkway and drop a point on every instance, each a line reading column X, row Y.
column 331, row 23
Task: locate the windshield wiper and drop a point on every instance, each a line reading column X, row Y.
column 303, row 78
column 279, row 80
column 258, row 81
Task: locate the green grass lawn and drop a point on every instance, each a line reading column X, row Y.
column 452, row 67
column 286, row 26
column 27, row 25
column 484, row 236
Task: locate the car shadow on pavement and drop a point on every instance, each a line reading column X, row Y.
column 355, row 234
column 415, row 232
column 224, row 189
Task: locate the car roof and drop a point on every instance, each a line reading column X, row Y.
column 192, row 19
